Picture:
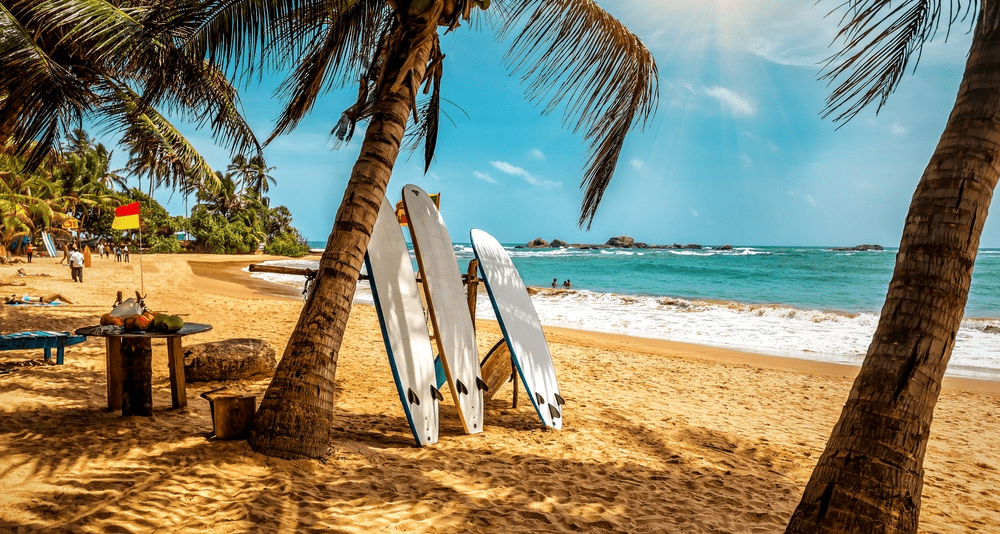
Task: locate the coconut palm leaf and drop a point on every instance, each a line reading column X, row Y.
column 879, row 40
column 156, row 148
column 241, row 33
column 584, row 61
column 42, row 96
column 337, row 52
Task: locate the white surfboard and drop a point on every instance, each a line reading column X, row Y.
column 50, row 247
column 404, row 329
column 447, row 306
column 521, row 328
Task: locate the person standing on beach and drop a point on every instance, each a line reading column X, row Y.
column 125, row 253
column 76, row 265
column 100, row 250
column 118, row 254
column 30, row 251
column 65, row 258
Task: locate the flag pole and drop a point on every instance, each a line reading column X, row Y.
column 142, row 283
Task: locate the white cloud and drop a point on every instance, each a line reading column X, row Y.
column 898, row 129
column 505, row 167
column 746, row 161
column 694, row 212
column 637, row 163
column 738, row 104
column 432, row 175
column 537, row 154
column 484, row 177
column 811, row 200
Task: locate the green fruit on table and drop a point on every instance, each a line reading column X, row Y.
column 172, row 323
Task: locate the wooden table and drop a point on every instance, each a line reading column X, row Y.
column 130, row 367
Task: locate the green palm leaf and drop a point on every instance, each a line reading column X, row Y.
column 879, row 40
column 584, row 61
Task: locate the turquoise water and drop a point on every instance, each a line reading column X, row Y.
column 800, row 277
column 811, row 303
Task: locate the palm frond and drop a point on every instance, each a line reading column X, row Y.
column 879, row 40
column 199, row 90
column 242, row 33
column 590, row 65
column 337, row 52
column 157, row 149
column 102, row 28
column 43, row 97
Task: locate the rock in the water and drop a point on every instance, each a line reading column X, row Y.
column 559, row 243
column 622, row 241
column 230, row 359
column 858, row 248
column 990, row 329
column 725, row 247
column 538, row 243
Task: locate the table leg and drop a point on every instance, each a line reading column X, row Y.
column 60, row 354
column 113, row 348
column 175, row 361
column 137, row 371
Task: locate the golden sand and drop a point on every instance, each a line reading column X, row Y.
column 657, row 436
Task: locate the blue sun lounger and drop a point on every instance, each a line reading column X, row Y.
column 41, row 340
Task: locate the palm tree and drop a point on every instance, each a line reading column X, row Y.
column 254, row 175
column 588, row 62
column 117, row 62
column 870, row 476
column 226, row 198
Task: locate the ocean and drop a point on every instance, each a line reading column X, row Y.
column 811, row 303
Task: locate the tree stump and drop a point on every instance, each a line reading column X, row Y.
column 137, row 376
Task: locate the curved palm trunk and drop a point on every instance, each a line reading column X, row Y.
column 870, row 476
column 296, row 413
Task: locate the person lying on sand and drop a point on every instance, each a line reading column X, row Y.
column 21, row 272
column 52, row 297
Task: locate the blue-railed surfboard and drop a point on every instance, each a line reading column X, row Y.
column 404, row 329
column 521, row 328
column 446, row 305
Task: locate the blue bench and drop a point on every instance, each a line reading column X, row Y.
column 41, row 340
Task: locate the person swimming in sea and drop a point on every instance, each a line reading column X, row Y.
column 567, row 284
column 554, row 281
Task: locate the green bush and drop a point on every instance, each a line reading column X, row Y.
column 163, row 245
column 286, row 245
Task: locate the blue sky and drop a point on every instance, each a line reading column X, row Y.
column 736, row 153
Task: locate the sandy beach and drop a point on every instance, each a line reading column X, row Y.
column 657, row 436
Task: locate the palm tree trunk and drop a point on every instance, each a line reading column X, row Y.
column 870, row 476
column 296, row 413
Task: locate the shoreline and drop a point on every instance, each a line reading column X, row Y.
column 658, row 436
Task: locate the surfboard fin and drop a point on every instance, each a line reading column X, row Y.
column 559, row 400
column 481, row 384
column 554, row 412
column 460, row 387
column 413, row 398
column 538, row 397
column 435, row 393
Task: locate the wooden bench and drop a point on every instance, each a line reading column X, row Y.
column 41, row 340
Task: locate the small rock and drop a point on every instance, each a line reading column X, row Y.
column 558, row 243
column 538, row 243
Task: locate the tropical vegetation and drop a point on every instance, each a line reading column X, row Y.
column 78, row 185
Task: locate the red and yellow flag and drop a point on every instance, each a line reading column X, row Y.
column 126, row 217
